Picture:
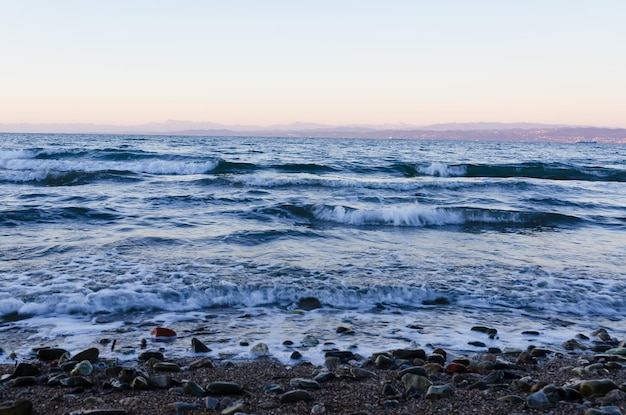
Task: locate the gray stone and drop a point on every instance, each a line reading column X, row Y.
column 538, row 400
column 192, row 388
column 300, row 383
column 613, row 397
column 573, row 344
column 139, row 383
column 260, row 350
column 596, row 386
column 310, row 341
column 361, row 373
column 74, row 381
column 295, row 395
column 274, row 389
column 418, row 382
column 604, row 410
column 621, row 351
column 161, row 381
column 512, row 399
column 203, row 362
column 390, row 403
column 235, row 408
column 84, row 368
column 439, row 391
column 494, row 378
column 211, row 403
column 181, row 408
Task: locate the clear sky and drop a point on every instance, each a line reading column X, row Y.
column 335, row 62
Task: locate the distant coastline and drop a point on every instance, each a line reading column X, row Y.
column 482, row 131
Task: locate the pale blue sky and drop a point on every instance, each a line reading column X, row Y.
column 334, row 62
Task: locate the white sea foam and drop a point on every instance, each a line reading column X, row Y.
column 442, row 170
column 410, row 215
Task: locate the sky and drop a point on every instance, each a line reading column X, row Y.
column 265, row 62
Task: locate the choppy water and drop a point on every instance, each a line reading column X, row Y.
column 406, row 242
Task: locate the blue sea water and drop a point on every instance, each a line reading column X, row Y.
column 408, row 243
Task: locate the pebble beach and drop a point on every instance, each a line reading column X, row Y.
column 585, row 375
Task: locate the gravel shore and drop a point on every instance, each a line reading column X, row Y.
column 588, row 379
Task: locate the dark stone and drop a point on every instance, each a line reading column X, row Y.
column 296, row 355
column 415, row 370
column 48, row 354
column 301, row 383
column 24, row 381
column 390, row 403
column 436, row 358
column 389, row 390
column 537, row 352
column 309, row 303
column 91, row 355
column 342, row 355
column 487, row 330
column 344, row 330
column 21, row 407
column 224, row 388
column 409, row 354
column 74, row 381
column 325, row 377
column 384, row 361
column 25, row 369
column 202, row 362
column 150, row 355
column 296, row 395
column 198, row 347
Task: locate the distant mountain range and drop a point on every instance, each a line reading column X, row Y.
column 479, row 131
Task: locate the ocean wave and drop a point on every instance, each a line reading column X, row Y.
column 29, row 166
column 15, row 217
column 551, row 171
column 538, row 297
column 420, row 216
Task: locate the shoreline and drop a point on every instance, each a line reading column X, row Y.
column 400, row 381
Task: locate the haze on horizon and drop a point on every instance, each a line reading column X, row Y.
column 278, row 62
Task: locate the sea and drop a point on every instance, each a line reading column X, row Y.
column 306, row 244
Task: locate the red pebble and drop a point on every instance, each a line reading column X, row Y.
column 163, row 332
column 455, row 368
